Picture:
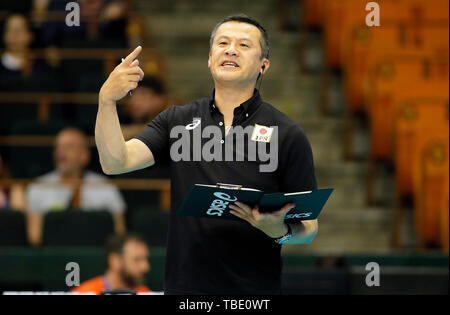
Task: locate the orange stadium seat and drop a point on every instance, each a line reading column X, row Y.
column 393, row 81
column 444, row 218
column 431, row 191
column 313, row 12
column 416, row 121
column 396, row 80
column 340, row 17
column 368, row 45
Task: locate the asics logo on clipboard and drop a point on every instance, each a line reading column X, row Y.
column 220, row 204
column 298, row 215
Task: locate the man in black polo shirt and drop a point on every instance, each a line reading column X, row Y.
column 206, row 255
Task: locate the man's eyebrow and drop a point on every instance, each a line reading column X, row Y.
column 222, row 37
column 226, row 37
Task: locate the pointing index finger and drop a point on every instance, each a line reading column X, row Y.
column 129, row 59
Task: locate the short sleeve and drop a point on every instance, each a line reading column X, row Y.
column 42, row 198
column 157, row 134
column 296, row 162
column 33, row 198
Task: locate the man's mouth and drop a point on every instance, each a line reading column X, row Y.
column 229, row 64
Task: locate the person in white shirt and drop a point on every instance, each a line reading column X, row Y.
column 71, row 186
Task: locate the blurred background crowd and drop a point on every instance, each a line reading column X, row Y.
column 372, row 100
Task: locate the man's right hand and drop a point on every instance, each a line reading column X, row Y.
column 124, row 78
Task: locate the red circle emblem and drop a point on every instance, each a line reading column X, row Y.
column 262, row 131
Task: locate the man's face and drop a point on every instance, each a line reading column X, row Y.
column 135, row 263
column 71, row 153
column 91, row 7
column 235, row 55
column 145, row 104
column 16, row 35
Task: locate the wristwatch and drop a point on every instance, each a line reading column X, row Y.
column 286, row 237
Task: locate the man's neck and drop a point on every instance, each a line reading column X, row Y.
column 115, row 281
column 70, row 178
column 227, row 98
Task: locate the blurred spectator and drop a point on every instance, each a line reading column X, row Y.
column 138, row 32
column 126, row 266
column 71, row 186
column 19, row 6
column 288, row 14
column 102, row 24
column 19, row 70
column 146, row 102
column 39, row 11
column 38, row 18
column 11, row 197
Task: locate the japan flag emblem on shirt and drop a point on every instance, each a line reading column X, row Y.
column 262, row 133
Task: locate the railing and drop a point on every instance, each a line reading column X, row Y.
column 44, row 100
column 151, row 60
column 161, row 185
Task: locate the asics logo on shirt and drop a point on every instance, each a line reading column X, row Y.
column 195, row 123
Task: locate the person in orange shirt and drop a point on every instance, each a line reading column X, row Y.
column 127, row 264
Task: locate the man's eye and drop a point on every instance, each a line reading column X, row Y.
column 222, row 43
column 244, row 45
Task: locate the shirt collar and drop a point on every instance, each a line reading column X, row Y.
column 248, row 107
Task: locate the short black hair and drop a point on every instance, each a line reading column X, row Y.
column 264, row 42
column 115, row 243
column 153, row 83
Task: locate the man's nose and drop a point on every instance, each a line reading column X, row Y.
column 231, row 50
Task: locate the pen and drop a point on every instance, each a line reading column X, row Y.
column 129, row 93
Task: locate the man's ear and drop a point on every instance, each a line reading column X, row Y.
column 265, row 66
column 209, row 60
